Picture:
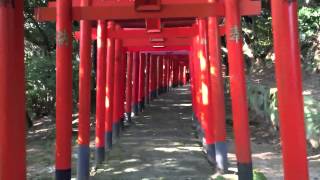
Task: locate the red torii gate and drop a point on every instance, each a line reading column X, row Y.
column 12, row 90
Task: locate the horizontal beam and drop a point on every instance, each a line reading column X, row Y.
column 146, row 42
column 179, row 32
column 166, row 33
column 151, row 49
column 121, row 11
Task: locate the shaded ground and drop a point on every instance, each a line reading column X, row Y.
column 160, row 145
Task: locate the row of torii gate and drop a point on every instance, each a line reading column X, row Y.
column 130, row 70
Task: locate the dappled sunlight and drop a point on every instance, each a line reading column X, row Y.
column 205, row 94
column 178, row 149
column 183, row 105
column 203, row 61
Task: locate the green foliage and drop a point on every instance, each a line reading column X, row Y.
column 40, row 75
column 309, row 26
column 41, row 81
column 263, row 101
column 220, row 178
column 258, row 175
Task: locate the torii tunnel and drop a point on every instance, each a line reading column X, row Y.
column 144, row 49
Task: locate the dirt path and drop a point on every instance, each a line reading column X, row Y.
column 160, row 145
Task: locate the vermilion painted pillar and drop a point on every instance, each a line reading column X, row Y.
column 109, row 90
column 238, row 89
column 147, row 92
column 289, row 83
column 151, row 73
column 63, row 90
column 175, row 73
column 206, row 103
column 135, row 81
column 142, row 66
column 217, row 94
column 129, row 86
column 84, row 98
column 165, row 74
column 157, row 75
column 181, row 71
column 197, row 88
column 154, row 76
column 116, row 90
column 184, row 76
column 171, row 74
column 12, row 92
column 168, row 74
column 160, row 75
column 123, row 66
column 193, row 87
column 101, row 90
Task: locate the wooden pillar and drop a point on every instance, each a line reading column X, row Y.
column 160, row 77
column 238, row 89
column 142, row 66
column 135, row 87
column 101, row 91
column 12, row 92
column 123, row 68
column 206, row 103
column 129, row 85
column 154, row 62
column 147, row 92
column 63, row 90
column 109, row 89
column 289, row 84
column 84, row 99
column 217, row 94
column 116, row 90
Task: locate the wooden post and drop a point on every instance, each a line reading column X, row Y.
column 84, row 98
column 289, row 84
column 12, row 92
column 109, row 89
column 101, row 91
column 238, row 89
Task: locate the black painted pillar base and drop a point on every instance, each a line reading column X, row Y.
column 83, row 162
column 245, row 171
column 100, row 155
column 135, row 109
column 141, row 106
column 108, row 141
column 154, row 94
column 121, row 123
column 63, row 174
column 116, row 130
column 211, row 155
column 222, row 157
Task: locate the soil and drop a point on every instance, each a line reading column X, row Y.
column 161, row 144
